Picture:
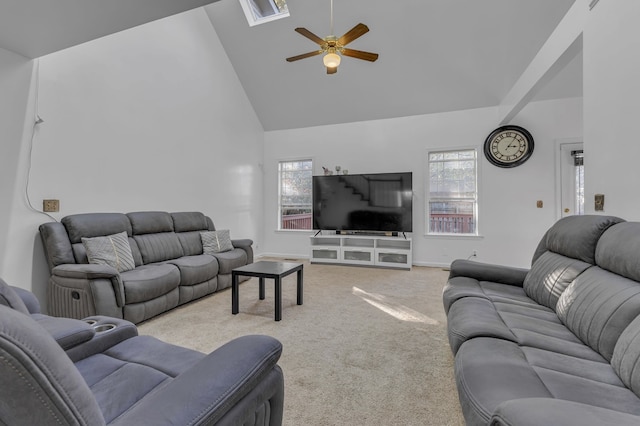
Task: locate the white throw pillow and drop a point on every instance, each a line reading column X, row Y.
column 113, row 250
column 216, row 241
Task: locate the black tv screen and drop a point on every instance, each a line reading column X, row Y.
column 365, row 202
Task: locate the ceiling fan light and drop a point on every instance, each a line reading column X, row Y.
column 331, row 60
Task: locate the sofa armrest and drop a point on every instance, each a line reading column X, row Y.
column 104, row 338
column 488, row 272
column 67, row 332
column 207, row 391
column 557, row 412
column 89, row 272
column 246, row 245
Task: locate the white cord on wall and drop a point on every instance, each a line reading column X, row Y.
column 37, row 120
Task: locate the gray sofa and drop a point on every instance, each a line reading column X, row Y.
column 170, row 266
column 97, row 371
column 558, row 343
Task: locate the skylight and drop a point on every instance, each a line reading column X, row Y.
column 261, row 11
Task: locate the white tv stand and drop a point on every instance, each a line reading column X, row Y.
column 368, row 250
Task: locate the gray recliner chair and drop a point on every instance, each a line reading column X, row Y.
column 98, row 371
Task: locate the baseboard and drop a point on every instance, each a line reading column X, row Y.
column 306, row 257
column 282, row 256
column 432, row 264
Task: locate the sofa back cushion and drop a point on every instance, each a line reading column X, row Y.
column 89, row 225
column 188, row 226
column 154, row 235
column 601, row 303
column 550, row 275
column 566, row 250
column 189, row 221
column 618, row 250
column 626, row 357
column 575, row 237
column 597, row 306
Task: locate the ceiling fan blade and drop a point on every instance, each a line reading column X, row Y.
column 311, row 36
column 359, row 54
column 352, row 34
column 332, row 70
column 304, row 55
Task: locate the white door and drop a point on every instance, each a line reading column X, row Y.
column 571, row 179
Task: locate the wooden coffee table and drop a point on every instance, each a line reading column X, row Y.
column 262, row 270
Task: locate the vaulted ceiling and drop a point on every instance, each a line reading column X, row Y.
column 435, row 55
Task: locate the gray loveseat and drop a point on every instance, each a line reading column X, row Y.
column 99, row 371
column 558, row 343
column 169, row 267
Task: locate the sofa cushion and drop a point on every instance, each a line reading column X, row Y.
column 626, row 356
column 216, row 241
column 189, row 221
column 550, row 275
column 229, row 260
column 159, row 247
column 129, row 371
column 618, row 250
column 491, row 371
column 460, row 287
column 191, row 242
column 575, row 236
column 196, row 269
column 149, row 281
column 113, row 250
column 598, row 306
column 532, row 325
column 150, row 222
column 95, row 225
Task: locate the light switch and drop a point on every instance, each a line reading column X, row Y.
column 599, row 202
column 539, row 204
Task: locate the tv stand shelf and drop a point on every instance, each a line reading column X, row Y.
column 388, row 252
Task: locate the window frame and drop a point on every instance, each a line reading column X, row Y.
column 428, row 198
column 279, row 227
column 254, row 20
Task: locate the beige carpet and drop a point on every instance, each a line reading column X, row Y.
column 368, row 346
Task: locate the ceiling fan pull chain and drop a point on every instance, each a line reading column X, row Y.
column 331, row 24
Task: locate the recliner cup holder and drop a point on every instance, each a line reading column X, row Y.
column 90, row 321
column 103, row 328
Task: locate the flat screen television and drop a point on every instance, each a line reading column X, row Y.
column 379, row 202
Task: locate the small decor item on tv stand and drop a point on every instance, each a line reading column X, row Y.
column 327, row 172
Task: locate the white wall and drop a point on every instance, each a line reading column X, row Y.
column 15, row 83
column 152, row 118
column 612, row 107
column 509, row 221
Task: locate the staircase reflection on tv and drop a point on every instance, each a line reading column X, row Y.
column 380, row 202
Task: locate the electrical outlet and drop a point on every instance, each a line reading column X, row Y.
column 50, row 206
column 475, row 253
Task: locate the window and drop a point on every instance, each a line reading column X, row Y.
column 261, row 11
column 452, row 192
column 578, row 162
column 295, row 187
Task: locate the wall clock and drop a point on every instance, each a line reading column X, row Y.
column 508, row 146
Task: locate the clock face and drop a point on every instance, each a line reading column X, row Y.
column 508, row 146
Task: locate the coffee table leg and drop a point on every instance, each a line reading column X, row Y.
column 234, row 294
column 278, row 298
column 261, row 280
column 300, row 287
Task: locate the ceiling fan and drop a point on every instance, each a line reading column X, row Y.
column 333, row 46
